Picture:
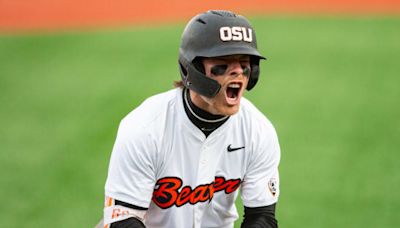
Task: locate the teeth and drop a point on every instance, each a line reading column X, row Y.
column 234, row 85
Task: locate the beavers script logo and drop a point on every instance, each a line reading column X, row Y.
column 168, row 191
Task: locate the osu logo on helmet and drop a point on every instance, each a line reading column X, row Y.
column 236, row 34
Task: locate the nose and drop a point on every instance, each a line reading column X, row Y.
column 235, row 68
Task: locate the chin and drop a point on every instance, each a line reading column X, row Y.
column 229, row 111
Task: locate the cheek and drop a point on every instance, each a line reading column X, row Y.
column 246, row 81
column 222, row 80
column 211, row 101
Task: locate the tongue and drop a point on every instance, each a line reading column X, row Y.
column 231, row 93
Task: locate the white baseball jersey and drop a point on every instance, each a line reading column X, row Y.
column 163, row 162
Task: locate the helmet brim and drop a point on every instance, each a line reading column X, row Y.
column 230, row 50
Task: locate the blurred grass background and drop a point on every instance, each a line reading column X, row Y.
column 330, row 86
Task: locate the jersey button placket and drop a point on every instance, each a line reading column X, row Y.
column 202, row 178
column 203, row 173
column 197, row 219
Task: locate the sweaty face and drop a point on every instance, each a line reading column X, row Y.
column 232, row 73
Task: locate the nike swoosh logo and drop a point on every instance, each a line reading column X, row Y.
column 230, row 149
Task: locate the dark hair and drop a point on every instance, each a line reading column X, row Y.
column 178, row 84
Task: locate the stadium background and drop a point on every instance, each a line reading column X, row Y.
column 70, row 70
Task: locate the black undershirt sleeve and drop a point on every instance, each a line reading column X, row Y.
column 130, row 222
column 259, row 217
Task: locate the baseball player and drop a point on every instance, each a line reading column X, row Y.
column 181, row 158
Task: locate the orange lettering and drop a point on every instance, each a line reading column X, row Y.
column 115, row 213
column 166, row 194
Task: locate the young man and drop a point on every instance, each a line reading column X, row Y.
column 182, row 156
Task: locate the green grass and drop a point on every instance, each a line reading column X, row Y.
column 330, row 86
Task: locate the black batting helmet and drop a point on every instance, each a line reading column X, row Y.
column 212, row 34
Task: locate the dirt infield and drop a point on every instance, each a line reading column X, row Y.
column 55, row 14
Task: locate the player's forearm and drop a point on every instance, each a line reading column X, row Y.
column 124, row 215
column 260, row 217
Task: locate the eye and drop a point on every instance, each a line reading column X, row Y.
column 245, row 64
column 219, row 69
column 246, row 71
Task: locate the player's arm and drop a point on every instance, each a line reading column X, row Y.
column 260, row 186
column 125, row 215
column 131, row 177
column 132, row 222
column 259, row 217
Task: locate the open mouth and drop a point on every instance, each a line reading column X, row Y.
column 233, row 92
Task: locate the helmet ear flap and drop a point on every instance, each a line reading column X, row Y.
column 255, row 72
column 196, row 80
column 184, row 72
column 198, row 64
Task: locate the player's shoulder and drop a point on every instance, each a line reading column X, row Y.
column 253, row 116
column 150, row 111
column 259, row 130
